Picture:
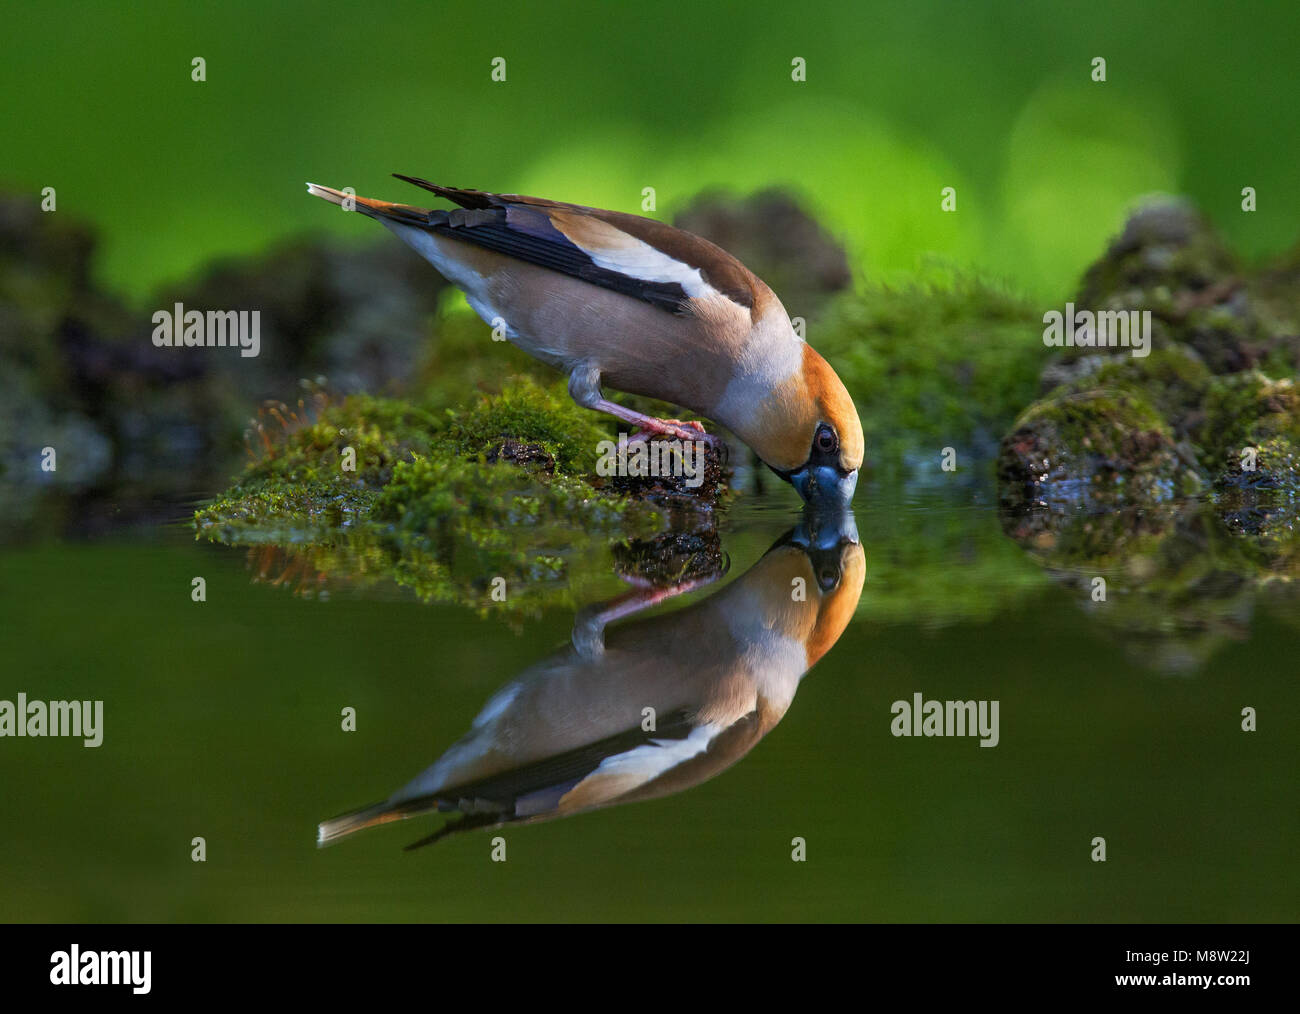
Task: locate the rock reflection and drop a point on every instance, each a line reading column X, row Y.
column 1181, row 578
column 646, row 708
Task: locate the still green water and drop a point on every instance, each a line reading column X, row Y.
column 222, row 720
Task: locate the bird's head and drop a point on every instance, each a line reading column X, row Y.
column 809, row 434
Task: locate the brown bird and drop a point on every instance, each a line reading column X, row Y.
column 618, row 300
column 650, row 708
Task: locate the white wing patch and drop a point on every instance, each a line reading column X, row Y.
column 650, row 760
column 614, row 250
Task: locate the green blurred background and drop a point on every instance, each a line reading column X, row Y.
column 602, row 100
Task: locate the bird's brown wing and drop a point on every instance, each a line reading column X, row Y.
column 635, row 256
column 540, row 784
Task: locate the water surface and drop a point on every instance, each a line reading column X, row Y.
column 222, row 720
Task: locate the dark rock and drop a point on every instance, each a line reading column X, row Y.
column 80, row 372
column 1092, row 446
column 672, row 487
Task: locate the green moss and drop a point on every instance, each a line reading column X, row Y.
column 527, row 412
column 1099, row 445
column 428, row 506
column 275, row 511
column 931, row 366
column 1172, row 381
column 380, row 432
column 1246, row 410
column 463, row 524
column 1094, row 421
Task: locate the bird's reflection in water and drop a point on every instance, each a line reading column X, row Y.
column 648, row 707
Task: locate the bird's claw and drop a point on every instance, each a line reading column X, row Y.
column 681, row 430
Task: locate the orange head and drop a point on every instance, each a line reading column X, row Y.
column 807, row 431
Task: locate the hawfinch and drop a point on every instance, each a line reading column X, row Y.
column 617, row 300
column 573, row 732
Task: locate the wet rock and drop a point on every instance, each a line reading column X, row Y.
column 1139, row 429
column 1095, row 446
column 525, row 455
column 675, row 485
column 1276, row 294
column 1273, row 465
column 1244, row 411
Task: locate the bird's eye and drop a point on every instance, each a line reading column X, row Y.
column 826, row 441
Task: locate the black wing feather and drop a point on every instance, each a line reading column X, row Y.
column 526, row 234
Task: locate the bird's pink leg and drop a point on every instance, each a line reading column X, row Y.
column 584, row 387
column 589, row 625
column 648, row 426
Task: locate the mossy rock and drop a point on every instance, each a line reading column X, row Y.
column 1275, row 291
column 1246, row 411
column 529, row 414
column 1214, row 380
column 355, row 441
column 1169, row 261
column 1173, row 381
column 445, row 503
column 1097, row 446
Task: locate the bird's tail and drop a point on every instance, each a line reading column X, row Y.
column 347, row 824
column 337, row 828
column 375, row 209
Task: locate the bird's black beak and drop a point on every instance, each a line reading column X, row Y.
column 825, row 488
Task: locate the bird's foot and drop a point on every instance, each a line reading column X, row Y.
column 681, row 430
